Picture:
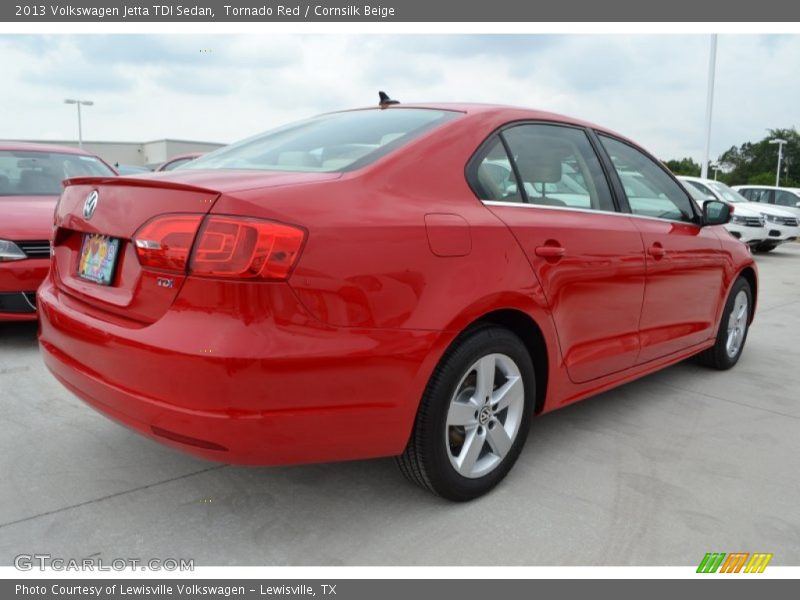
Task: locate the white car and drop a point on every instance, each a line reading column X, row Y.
column 782, row 224
column 783, row 197
column 747, row 224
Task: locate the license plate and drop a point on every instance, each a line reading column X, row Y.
column 98, row 258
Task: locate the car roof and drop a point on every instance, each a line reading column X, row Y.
column 769, row 187
column 33, row 147
column 515, row 113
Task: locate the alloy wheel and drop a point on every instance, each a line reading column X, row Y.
column 484, row 415
column 737, row 324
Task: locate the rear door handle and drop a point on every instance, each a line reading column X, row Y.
column 550, row 251
column 657, row 251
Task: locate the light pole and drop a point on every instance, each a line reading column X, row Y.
column 712, row 64
column 780, row 143
column 78, row 104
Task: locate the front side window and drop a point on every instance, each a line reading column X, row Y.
column 650, row 191
column 699, row 193
column 558, row 167
column 783, row 198
column 758, row 195
column 704, row 191
column 35, row 173
column 328, row 143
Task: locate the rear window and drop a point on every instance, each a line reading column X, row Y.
column 25, row 173
column 328, row 143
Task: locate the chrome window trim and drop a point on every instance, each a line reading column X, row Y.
column 584, row 210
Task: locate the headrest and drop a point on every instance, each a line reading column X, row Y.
column 390, row 137
column 540, row 165
column 296, row 159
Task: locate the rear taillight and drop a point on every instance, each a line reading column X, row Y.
column 230, row 247
column 246, row 248
column 166, row 241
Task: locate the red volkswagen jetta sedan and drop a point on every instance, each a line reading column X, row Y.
column 30, row 183
column 414, row 281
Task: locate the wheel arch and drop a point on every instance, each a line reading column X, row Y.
column 523, row 325
column 749, row 274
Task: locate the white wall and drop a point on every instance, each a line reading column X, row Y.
column 149, row 154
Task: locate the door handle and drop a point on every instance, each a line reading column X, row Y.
column 550, row 251
column 657, row 251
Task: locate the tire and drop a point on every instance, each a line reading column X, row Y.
column 766, row 247
column 461, row 445
column 726, row 350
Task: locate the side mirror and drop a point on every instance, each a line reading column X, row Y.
column 716, row 213
column 797, row 204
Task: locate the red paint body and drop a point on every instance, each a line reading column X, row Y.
column 400, row 257
column 24, row 219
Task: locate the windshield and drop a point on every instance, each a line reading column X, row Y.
column 728, row 194
column 34, row 173
column 328, row 143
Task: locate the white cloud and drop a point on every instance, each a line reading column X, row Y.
column 223, row 88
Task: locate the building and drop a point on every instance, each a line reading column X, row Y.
column 146, row 154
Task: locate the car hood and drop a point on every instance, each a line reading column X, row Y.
column 766, row 209
column 27, row 217
column 747, row 209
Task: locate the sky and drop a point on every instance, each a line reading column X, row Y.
column 221, row 88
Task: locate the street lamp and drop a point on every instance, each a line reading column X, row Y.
column 712, row 64
column 780, row 143
column 78, row 103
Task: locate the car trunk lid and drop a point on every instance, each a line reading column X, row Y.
column 123, row 206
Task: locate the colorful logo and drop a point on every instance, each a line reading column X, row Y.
column 735, row 562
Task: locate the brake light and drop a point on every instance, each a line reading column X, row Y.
column 166, row 241
column 246, row 248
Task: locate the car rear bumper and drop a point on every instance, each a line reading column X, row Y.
column 265, row 393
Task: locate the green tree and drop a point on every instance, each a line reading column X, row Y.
column 755, row 162
column 684, row 166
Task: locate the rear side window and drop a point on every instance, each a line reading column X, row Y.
column 650, row 191
column 494, row 178
column 328, row 143
column 26, row 173
column 558, row 167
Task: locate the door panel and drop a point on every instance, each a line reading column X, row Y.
column 591, row 267
column 685, row 263
column 546, row 182
column 685, row 268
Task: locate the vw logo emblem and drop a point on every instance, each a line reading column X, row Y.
column 90, row 204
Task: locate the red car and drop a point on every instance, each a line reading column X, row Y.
column 178, row 161
column 414, row 281
column 30, row 183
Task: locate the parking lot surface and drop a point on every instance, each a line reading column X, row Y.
column 657, row 472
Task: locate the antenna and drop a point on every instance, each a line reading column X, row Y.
column 385, row 101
